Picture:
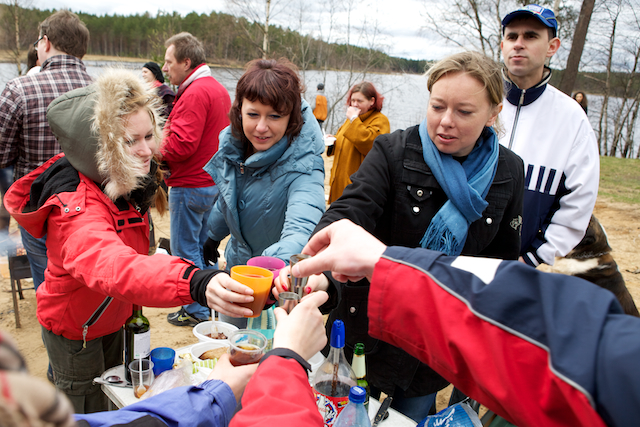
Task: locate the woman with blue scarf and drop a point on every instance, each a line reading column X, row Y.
column 270, row 177
column 445, row 185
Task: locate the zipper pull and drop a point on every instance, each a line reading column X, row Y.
column 521, row 97
column 241, row 168
column 84, row 336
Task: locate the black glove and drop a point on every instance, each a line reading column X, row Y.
column 210, row 251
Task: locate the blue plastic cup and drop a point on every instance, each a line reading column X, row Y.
column 162, row 358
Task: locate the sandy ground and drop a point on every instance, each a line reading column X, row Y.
column 622, row 223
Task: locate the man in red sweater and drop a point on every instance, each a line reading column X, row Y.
column 200, row 112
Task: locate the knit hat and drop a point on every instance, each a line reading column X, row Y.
column 155, row 69
column 544, row 15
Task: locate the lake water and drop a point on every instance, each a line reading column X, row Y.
column 405, row 95
column 405, row 102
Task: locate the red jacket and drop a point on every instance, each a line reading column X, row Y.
column 199, row 113
column 538, row 349
column 278, row 394
column 96, row 248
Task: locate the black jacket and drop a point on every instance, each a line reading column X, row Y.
column 394, row 195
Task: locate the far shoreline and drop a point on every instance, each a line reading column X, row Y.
column 6, row 57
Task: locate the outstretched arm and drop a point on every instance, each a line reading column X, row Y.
column 279, row 393
column 536, row 348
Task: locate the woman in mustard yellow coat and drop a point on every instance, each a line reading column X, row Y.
column 355, row 137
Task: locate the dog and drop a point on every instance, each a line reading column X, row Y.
column 591, row 260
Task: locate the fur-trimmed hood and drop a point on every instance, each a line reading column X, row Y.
column 90, row 125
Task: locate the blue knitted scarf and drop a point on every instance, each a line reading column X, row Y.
column 466, row 186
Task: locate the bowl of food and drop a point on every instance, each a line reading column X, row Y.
column 209, row 350
column 205, row 331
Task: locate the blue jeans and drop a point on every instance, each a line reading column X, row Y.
column 36, row 254
column 240, row 322
column 189, row 209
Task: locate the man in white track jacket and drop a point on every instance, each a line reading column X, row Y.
column 552, row 134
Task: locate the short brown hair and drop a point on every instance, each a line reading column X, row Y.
column 369, row 91
column 32, row 57
column 187, row 46
column 273, row 83
column 66, row 32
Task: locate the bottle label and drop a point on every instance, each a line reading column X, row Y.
column 330, row 407
column 359, row 366
column 141, row 345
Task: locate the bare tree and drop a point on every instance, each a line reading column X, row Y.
column 468, row 24
column 613, row 11
column 15, row 9
column 260, row 12
column 301, row 54
column 577, row 45
column 363, row 33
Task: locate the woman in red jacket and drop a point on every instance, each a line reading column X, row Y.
column 92, row 201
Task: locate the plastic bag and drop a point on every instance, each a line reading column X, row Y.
column 458, row 415
column 177, row 377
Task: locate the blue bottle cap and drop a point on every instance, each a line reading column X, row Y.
column 337, row 334
column 357, row 394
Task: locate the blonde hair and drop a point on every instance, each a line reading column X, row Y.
column 120, row 94
column 477, row 65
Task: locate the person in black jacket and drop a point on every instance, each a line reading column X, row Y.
column 445, row 185
column 152, row 73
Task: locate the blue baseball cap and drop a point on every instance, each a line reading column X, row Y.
column 544, row 15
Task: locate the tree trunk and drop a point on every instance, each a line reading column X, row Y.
column 622, row 117
column 16, row 21
column 603, row 126
column 579, row 37
column 627, row 151
column 265, row 39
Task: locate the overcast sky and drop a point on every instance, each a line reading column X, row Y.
column 398, row 21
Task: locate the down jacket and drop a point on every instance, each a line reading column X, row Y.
column 95, row 218
column 270, row 202
column 538, row 349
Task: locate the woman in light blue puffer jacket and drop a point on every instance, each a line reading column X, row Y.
column 270, row 177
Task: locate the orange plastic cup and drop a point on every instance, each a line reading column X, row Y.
column 257, row 278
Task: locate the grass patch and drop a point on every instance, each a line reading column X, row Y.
column 620, row 179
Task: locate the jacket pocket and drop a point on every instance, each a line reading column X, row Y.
column 484, row 230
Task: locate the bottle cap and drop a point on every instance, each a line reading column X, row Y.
column 357, row 394
column 337, row 334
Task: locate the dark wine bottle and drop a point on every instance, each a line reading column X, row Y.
column 360, row 369
column 137, row 339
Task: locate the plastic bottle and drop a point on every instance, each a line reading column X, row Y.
column 334, row 378
column 137, row 339
column 354, row 414
column 360, row 369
